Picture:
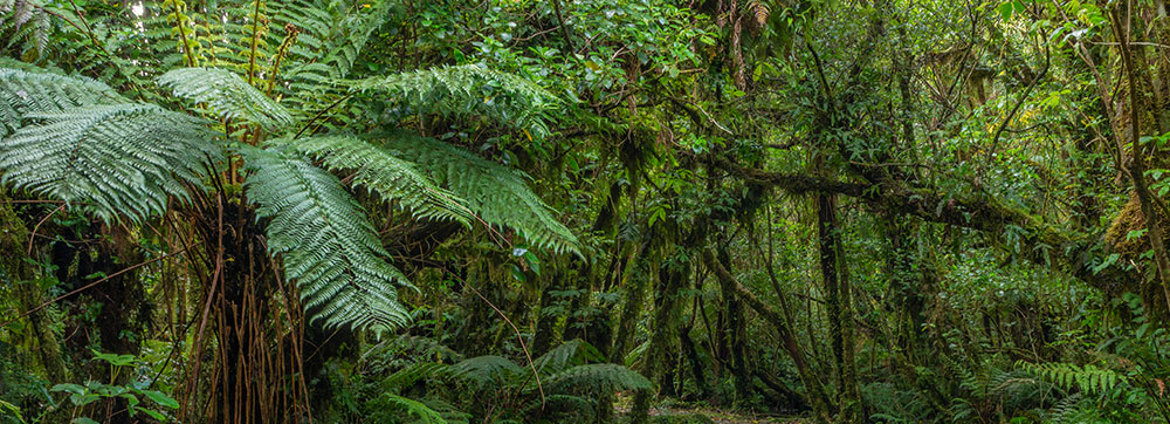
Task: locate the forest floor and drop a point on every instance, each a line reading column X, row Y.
column 684, row 415
column 730, row 417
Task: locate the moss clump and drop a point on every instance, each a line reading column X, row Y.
column 1129, row 219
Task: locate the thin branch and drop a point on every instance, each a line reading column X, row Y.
column 87, row 286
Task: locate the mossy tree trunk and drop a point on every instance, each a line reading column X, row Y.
column 839, row 300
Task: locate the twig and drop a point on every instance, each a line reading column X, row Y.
column 87, row 286
column 32, row 236
column 527, row 354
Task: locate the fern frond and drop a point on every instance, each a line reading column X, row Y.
column 597, row 379
column 486, row 369
column 228, row 96
column 1065, row 409
column 570, row 353
column 421, row 347
column 119, row 160
column 496, row 194
column 27, row 21
column 410, row 374
column 25, row 91
column 333, row 34
column 1088, row 379
column 759, row 11
column 380, row 171
column 423, row 413
column 465, row 92
column 326, row 241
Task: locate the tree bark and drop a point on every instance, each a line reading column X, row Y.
column 840, row 308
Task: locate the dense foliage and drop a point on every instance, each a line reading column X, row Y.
column 519, row 211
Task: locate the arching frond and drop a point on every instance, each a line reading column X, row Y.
column 326, row 241
column 568, row 354
column 227, row 95
column 410, row 374
column 332, row 34
column 467, row 91
column 596, row 379
column 119, row 160
column 382, row 172
column 25, row 91
column 486, row 369
column 422, row 413
column 497, row 194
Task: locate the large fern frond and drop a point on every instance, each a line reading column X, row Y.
column 119, row 160
column 326, row 241
column 568, row 354
column 384, row 173
column 26, row 91
column 228, row 96
column 411, row 374
column 422, row 413
column 467, row 91
column 597, row 379
column 486, row 369
column 496, row 194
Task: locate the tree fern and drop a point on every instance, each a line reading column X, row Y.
column 496, row 194
column 568, row 354
column 326, row 241
column 228, row 96
column 382, row 172
column 486, row 369
column 119, row 160
column 467, row 91
column 410, row 374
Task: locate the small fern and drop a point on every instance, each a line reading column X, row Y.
column 1088, row 379
column 326, row 241
column 562, row 408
